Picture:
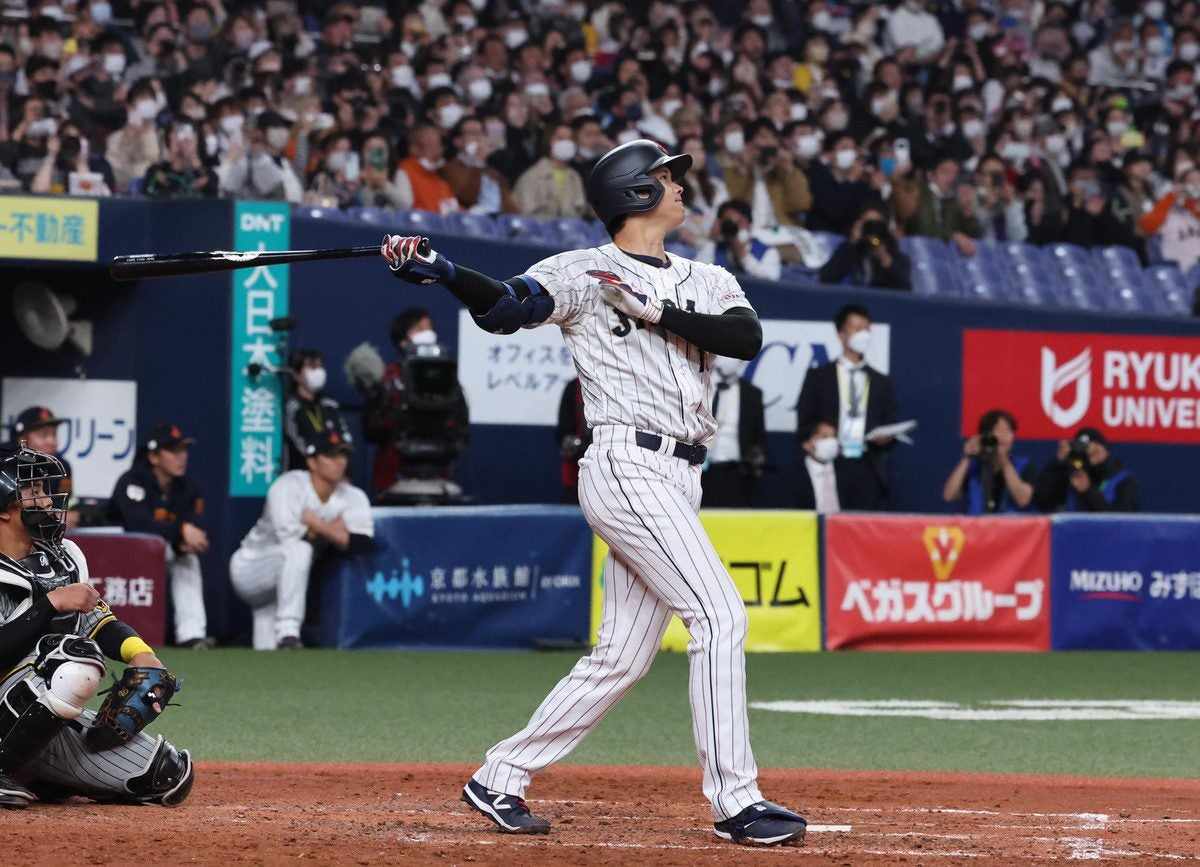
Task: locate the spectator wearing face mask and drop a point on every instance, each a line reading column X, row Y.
column 1175, row 218
column 1133, row 198
column 768, row 179
column 947, row 210
column 734, row 247
column 1089, row 221
column 1000, row 211
column 703, row 194
column 590, row 143
column 425, row 159
column 379, row 189
column 914, row 34
column 520, row 145
column 309, row 412
column 262, row 170
column 870, row 256
column 70, row 167
column 479, row 188
column 550, row 187
column 335, row 183
column 860, row 399
column 133, row 148
column 817, row 490
column 839, row 188
column 1117, row 62
column 182, row 174
column 738, row 455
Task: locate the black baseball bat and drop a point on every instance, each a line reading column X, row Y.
column 174, row 264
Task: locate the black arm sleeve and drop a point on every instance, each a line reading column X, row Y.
column 736, row 333
column 18, row 636
column 112, row 635
column 478, row 292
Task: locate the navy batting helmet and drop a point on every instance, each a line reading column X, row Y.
column 621, row 182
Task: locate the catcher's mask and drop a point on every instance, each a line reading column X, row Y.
column 32, row 479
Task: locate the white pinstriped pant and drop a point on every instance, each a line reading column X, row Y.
column 660, row 562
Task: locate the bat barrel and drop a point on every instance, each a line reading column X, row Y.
column 146, row 265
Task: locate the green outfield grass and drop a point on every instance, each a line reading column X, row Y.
column 318, row 705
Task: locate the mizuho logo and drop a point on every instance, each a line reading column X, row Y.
column 402, row 585
column 1076, row 371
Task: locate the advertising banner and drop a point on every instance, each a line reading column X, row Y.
column 1126, row 583
column 772, row 558
column 937, row 583
column 45, row 228
column 99, row 436
column 505, row 576
column 260, row 294
column 128, row 570
column 1136, row 388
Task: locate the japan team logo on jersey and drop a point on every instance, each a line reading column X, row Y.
column 611, row 278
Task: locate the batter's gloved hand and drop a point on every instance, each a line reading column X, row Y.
column 411, row 258
column 620, row 295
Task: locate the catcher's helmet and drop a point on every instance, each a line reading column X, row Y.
column 30, row 478
column 621, row 182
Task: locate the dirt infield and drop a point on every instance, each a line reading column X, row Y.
column 410, row 814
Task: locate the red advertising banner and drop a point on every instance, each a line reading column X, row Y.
column 129, row 571
column 937, row 583
column 1136, row 388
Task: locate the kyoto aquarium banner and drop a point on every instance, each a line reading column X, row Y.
column 519, row 378
column 935, row 582
column 1135, row 387
column 260, row 294
column 98, row 436
column 1126, row 583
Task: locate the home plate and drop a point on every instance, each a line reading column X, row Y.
column 828, row 829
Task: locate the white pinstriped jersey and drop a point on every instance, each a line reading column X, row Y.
column 631, row 373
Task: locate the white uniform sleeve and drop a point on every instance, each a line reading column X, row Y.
column 569, row 296
column 357, row 516
column 284, row 507
column 727, row 292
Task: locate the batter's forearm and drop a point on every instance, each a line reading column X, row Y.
column 736, row 333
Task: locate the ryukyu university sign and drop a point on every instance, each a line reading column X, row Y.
column 260, row 294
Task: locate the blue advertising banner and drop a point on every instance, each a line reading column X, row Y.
column 504, row 576
column 1125, row 583
column 260, row 294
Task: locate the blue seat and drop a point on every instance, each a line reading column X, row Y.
column 527, row 229
column 572, row 231
column 472, row 225
column 935, row 267
column 1168, row 283
column 1120, row 258
column 1154, row 250
column 418, row 222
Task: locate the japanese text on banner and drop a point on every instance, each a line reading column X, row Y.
column 260, row 294
column 45, row 228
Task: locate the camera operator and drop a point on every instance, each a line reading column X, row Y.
column 1085, row 477
column 573, row 437
column 308, row 412
column 871, row 256
column 734, row 248
column 417, row 414
column 989, row 478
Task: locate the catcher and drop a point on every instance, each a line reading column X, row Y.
column 55, row 633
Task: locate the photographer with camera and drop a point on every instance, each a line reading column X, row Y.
column 308, row 412
column 871, row 256
column 989, row 478
column 734, row 248
column 416, row 412
column 1085, row 477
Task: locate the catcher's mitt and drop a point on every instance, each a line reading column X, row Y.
column 133, row 702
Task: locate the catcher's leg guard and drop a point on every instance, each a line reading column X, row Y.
column 27, row 725
column 167, row 780
column 72, row 668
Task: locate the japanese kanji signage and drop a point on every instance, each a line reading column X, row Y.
column 260, row 294
column 128, row 570
column 937, row 583
column 46, row 228
column 99, row 434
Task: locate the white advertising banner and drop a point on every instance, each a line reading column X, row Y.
column 519, row 378
column 99, row 437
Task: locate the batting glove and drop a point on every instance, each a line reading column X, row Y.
column 411, row 258
column 622, row 296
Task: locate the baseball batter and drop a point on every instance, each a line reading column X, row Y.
column 643, row 329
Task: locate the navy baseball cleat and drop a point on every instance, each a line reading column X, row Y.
column 763, row 824
column 13, row 794
column 509, row 812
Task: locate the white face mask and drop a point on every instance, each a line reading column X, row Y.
column 538, row 88
column 277, row 137
column 978, row 32
column 466, row 22
column 1154, row 10
column 480, row 90
column 808, row 146
column 515, row 38
column 670, row 106
column 430, row 165
column 302, row 85
column 423, row 338
column 1189, row 51
column 1016, row 151
column 402, row 76
column 825, row 449
column 844, row 159
column 963, row 82
column 336, row 161
column 735, row 142
column 1056, row 143
column 449, row 115
column 1061, row 103
column 438, row 79
column 101, row 12
column 145, row 109
column 232, row 124
column 1156, row 45
column 859, row 341
column 799, row 111
column 581, row 71
column 114, row 64
column 1192, row 191
column 563, row 150
column 1023, row 127
column 761, row 20
column 1116, row 127
column 210, row 143
column 973, row 127
column 314, row 378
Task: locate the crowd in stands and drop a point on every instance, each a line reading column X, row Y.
column 967, row 120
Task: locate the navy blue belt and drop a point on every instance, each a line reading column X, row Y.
column 692, row 454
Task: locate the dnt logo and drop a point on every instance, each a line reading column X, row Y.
column 944, row 546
